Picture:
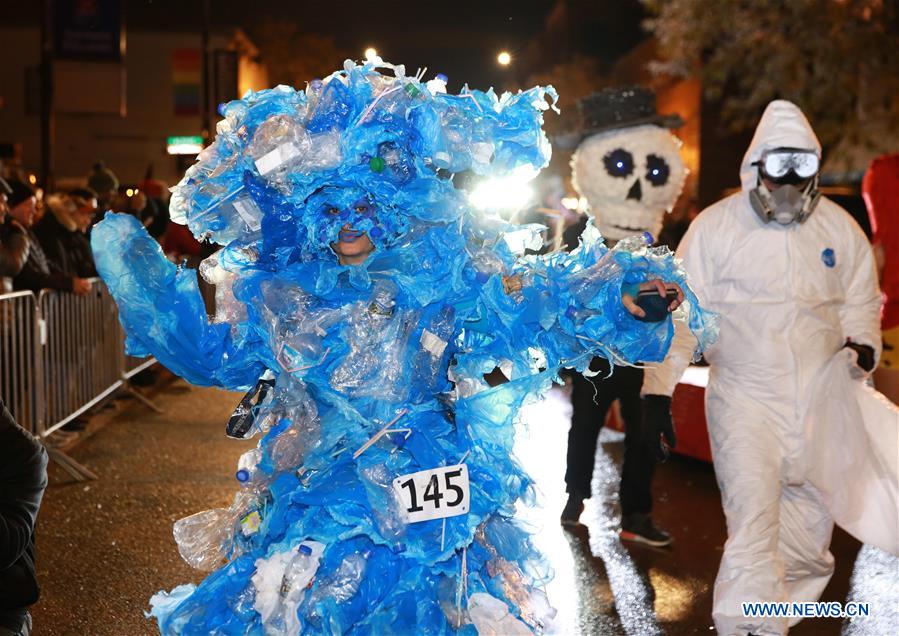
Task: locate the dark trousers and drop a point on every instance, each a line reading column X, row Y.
column 23, row 630
column 590, row 400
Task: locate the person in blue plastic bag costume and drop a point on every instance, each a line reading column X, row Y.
column 361, row 301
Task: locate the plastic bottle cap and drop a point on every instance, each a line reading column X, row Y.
column 648, row 238
column 443, row 78
column 243, row 475
column 376, row 164
column 305, row 549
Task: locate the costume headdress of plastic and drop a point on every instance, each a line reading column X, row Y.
column 360, row 147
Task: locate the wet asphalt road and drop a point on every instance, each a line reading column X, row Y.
column 106, row 546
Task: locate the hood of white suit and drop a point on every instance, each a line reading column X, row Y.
column 783, row 125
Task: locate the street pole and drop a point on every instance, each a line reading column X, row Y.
column 207, row 97
column 47, row 118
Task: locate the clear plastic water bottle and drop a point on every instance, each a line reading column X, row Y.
column 437, row 332
column 297, row 574
column 383, row 298
column 247, row 466
column 340, row 586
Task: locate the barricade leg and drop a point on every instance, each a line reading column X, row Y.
column 78, row 472
column 126, row 383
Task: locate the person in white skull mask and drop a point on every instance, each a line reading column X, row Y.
column 793, row 279
column 629, row 168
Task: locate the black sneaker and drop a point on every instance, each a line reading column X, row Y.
column 572, row 511
column 639, row 528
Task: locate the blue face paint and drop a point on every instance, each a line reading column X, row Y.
column 335, row 214
column 829, row 257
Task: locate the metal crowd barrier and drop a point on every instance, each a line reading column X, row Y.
column 20, row 359
column 60, row 356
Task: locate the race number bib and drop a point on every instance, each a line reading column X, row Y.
column 434, row 494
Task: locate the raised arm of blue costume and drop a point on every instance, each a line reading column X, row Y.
column 560, row 310
column 163, row 313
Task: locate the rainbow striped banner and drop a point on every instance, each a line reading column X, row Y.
column 186, row 81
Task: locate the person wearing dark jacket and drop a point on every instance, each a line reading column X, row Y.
column 62, row 233
column 23, row 478
column 86, row 207
column 13, row 242
column 38, row 273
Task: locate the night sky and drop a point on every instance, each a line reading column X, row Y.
column 460, row 39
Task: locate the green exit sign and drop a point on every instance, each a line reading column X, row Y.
column 177, row 141
column 184, row 145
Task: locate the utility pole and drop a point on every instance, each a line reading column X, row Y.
column 48, row 128
column 207, row 92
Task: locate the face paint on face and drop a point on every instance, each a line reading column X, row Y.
column 353, row 245
column 345, row 220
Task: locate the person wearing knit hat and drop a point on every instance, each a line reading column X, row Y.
column 103, row 181
column 38, row 272
column 19, row 195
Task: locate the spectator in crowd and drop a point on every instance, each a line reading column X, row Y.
column 62, row 232
column 23, row 478
column 179, row 244
column 37, row 273
column 157, row 203
column 105, row 184
column 13, row 242
column 86, row 206
column 135, row 204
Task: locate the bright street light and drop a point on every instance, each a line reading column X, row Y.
column 504, row 58
column 371, row 53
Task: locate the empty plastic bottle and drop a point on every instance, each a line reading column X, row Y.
column 337, row 588
column 383, row 298
column 298, row 574
column 247, row 466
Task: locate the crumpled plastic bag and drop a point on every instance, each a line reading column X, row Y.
column 852, row 454
column 491, row 617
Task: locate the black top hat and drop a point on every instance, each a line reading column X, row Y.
column 622, row 107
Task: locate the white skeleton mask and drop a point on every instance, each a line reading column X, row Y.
column 630, row 178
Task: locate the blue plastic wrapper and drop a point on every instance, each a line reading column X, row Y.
column 377, row 368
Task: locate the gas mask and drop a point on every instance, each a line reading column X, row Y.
column 795, row 171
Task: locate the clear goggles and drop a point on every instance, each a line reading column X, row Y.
column 778, row 163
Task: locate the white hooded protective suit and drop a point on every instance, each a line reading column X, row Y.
column 788, row 298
